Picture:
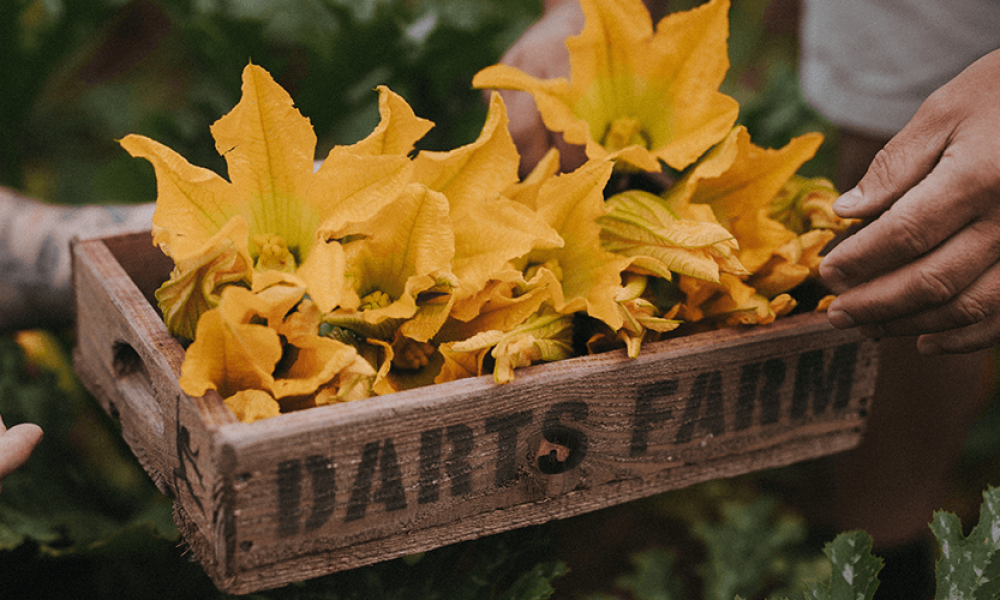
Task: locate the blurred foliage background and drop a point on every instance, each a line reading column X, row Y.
column 79, row 74
column 81, row 519
column 76, row 75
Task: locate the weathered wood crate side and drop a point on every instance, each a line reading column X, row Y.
column 128, row 360
column 338, row 487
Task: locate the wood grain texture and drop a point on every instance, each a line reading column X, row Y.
column 337, row 487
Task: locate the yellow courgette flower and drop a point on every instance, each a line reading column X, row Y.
column 792, row 263
column 641, row 225
column 316, row 368
column 577, row 276
column 641, row 315
column 581, row 275
column 490, row 229
column 541, row 338
column 506, row 300
column 270, row 216
column 804, row 204
column 253, row 346
column 467, row 233
column 738, row 180
column 399, row 265
column 237, row 345
column 730, row 302
column 635, row 93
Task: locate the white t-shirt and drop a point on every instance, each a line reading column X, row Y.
column 869, row 64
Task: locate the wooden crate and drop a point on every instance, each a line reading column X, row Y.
column 337, row 487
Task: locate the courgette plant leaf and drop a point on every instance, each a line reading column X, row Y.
column 748, row 549
column 969, row 567
column 654, row 577
column 854, row 569
column 535, row 584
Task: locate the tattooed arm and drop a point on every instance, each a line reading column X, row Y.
column 35, row 285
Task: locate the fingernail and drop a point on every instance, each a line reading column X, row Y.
column 840, row 319
column 848, row 201
column 830, row 273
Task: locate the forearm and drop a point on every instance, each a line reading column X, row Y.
column 35, row 283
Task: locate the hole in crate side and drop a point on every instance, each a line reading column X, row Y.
column 560, row 450
column 125, row 360
column 132, row 381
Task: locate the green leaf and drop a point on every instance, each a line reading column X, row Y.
column 854, row 569
column 536, row 584
column 653, row 577
column 969, row 567
column 748, row 549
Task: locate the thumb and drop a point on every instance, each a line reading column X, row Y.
column 16, row 445
column 903, row 163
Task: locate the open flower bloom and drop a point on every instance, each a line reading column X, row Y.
column 581, row 275
column 253, row 346
column 506, row 299
column 453, row 251
column 490, row 229
column 748, row 189
column 738, row 180
column 578, row 275
column 270, row 215
column 398, row 265
column 635, row 93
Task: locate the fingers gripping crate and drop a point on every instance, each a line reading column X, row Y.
column 341, row 486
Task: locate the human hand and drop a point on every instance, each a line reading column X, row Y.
column 541, row 51
column 16, row 445
column 928, row 263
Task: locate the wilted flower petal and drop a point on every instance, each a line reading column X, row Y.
column 542, row 338
column 253, row 405
column 642, row 226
